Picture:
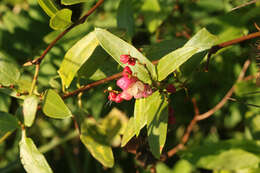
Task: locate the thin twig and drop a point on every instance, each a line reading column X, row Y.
column 50, row 46
column 199, row 117
column 228, row 95
column 186, row 136
column 35, row 77
column 243, row 5
column 216, row 48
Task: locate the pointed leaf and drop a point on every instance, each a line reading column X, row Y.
column 129, row 132
column 157, row 122
column 54, row 107
column 49, row 6
column 61, row 19
column 203, row 40
column 29, row 110
column 225, row 155
column 94, row 138
column 72, row 2
column 116, row 47
column 9, row 73
column 140, row 114
column 76, row 57
column 32, row 160
column 8, row 123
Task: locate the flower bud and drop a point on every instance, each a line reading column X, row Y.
column 112, row 96
column 127, row 71
column 124, row 58
column 118, row 98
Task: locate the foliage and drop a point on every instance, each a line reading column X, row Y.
column 58, row 108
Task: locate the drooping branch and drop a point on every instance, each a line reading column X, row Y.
column 50, row 46
column 198, row 117
column 216, row 48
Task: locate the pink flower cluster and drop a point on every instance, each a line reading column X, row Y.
column 131, row 86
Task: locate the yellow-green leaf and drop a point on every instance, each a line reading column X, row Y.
column 49, row 6
column 76, row 57
column 129, row 132
column 54, row 107
column 94, row 138
column 157, row 121
column 33, row 161
column 203, row 40
column 29, row 110
column 61, row 19
column 116, row 47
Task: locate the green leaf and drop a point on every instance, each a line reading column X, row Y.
column 157, row 122
column 54, row 107
column 94, row 138
column 49, row 6
column 32, row 160
column 153, row 16
column 125, row 18
column 61, row 19
column 116, row 47
column 182, row 166
column 76, row 57
column 29, row 110
column 129, row 132
column 140, row 115
column 72, row 2
column 9, row 73
column 226, row 155
column 161, row 167
column 8, row 123
column 203, row 40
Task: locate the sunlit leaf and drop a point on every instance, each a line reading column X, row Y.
column 29, row 110
column 61, row 19
column 54, row 107
column 157, row 121
column 71, row 2
column 129, row 132
column 32, row 160
column 76, row 57
column 116, row 47
column 49, row 6
column 203, row 40
column 94, row 138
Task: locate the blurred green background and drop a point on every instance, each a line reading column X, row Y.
column 156, row 27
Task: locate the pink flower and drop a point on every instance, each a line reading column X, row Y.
column 147, row 91
column 125, row 82
column 118, row 98
column 126, row 96
column 112, row 96
column 127, row 59
column 124, row 58
column 140, row 90
column 127, row 71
